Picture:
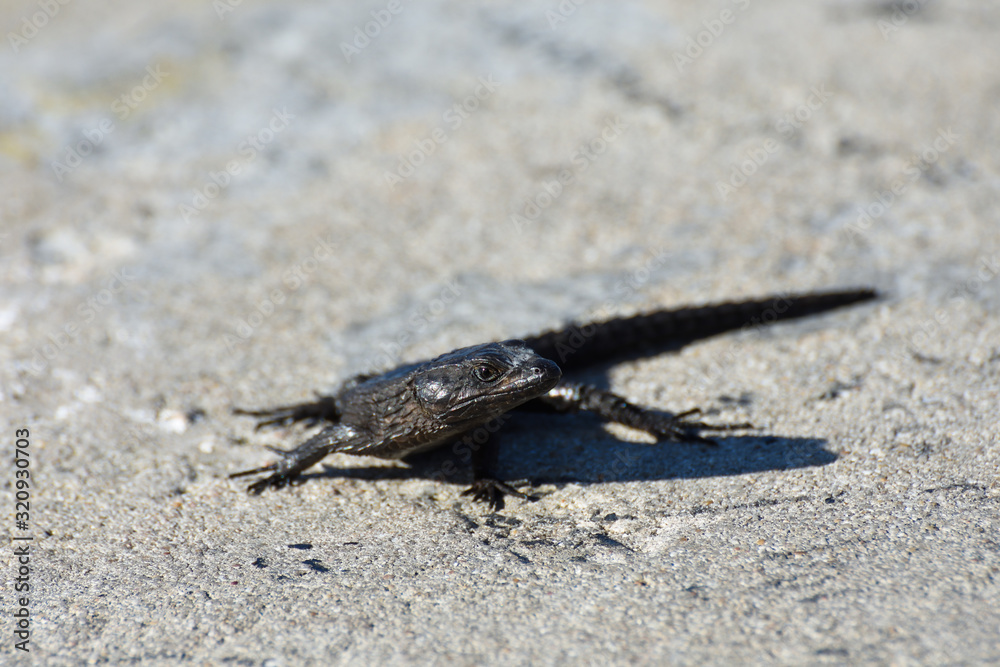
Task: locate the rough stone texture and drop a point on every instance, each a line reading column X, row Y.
column 858, row 525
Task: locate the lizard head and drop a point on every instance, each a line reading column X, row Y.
column 475, row 384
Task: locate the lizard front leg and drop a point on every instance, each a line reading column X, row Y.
column 291, row 464
column 574, row 397
column 486, row 487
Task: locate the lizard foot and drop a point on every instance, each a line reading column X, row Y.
column 279, row 479
column 678, row 427
column 324, row 408
column 492, row 491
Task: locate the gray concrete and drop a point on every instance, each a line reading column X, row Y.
column 858, row 525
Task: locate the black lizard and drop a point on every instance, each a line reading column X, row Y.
column 424, row 405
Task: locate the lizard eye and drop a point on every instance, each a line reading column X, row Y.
column 485, row 373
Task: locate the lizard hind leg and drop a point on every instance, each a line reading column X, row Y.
column 324, row 408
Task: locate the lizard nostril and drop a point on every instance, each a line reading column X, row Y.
column 546, row 369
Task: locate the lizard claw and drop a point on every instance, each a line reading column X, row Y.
column 492, row 491
column 254, row 471
column 677, row 427
column 276, row 480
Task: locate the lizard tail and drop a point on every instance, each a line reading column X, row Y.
column 580, row 346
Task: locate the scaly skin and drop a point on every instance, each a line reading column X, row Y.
column 421, row 406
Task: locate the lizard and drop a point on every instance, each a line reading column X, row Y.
column 420, row 406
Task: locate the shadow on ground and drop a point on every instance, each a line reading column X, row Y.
column 543, row 459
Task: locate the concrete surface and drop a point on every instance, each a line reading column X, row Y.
column 208, row 205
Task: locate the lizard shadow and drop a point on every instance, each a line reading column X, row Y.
column 600, row 457
column 536, row 449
